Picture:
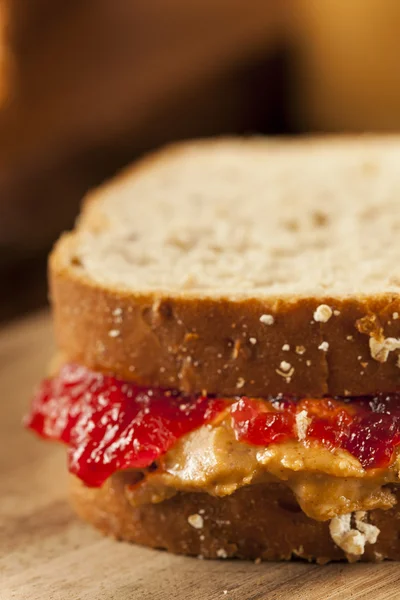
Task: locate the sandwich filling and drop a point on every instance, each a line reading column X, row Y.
column 338, row 455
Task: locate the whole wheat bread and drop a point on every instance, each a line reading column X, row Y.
column 257, row 522
column 240, row 266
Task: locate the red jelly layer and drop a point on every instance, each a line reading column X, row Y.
column 110, row 425
column 367, row 427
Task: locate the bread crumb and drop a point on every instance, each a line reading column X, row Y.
column 349, row 338
column 286, row 372
column 395, row 316
column 322, row 313
column 381, row 347
column 253, row 340
column 240, row 382
column 308, row 363
column 286, row 347
column 196, row 521
column 300, row 349
column 285, row 366
column 113, row 333
column 324, row 346
column 117, row 316
column 371, row 532
column 302, row 423
column 336, row 312
column 221, row 553
column 225, row 591
column 267, row 319
column 352, row 541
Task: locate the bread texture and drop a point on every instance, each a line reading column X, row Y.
column 247, row 266
column 257, row 522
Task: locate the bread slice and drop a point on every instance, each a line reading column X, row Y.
column 257, row 522
column 240, row 266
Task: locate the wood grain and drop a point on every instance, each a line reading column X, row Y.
column 47, row 554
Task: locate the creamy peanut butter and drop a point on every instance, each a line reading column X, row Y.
column 325, row 482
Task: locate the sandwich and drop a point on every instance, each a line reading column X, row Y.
column 227, row 383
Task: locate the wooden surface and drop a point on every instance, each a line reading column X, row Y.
column 47, row 554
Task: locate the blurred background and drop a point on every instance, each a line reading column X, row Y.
column 87, row 86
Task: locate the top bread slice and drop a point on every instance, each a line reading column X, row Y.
column 240, row 266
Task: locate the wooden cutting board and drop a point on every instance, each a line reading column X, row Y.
column 46, row 553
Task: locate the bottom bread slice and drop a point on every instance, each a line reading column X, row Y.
column 260, row 521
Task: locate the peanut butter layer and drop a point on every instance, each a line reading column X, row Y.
column 326, row 483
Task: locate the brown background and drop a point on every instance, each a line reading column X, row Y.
column 87, row 86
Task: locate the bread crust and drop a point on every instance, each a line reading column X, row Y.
column 221, row 346
column 274, row 527
column 193, row 343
